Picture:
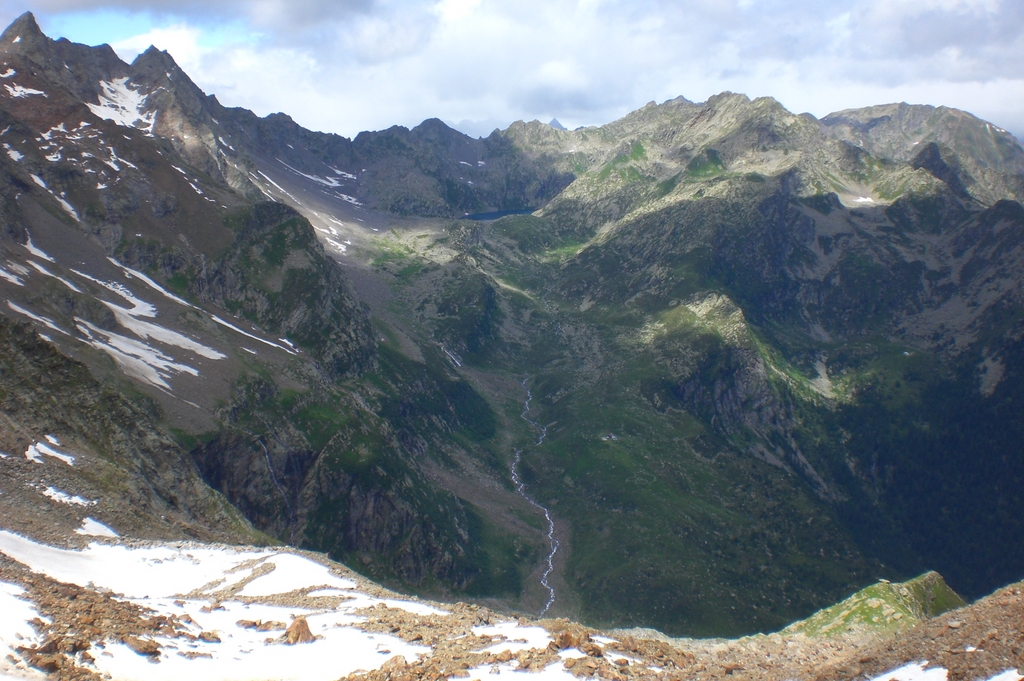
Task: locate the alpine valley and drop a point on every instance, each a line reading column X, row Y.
column 707, row 370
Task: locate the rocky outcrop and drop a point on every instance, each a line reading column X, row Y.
column 276, row 273
column 129, row 473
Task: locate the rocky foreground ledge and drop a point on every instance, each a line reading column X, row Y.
column 124, row 610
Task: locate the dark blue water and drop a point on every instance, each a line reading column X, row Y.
column 497, row 214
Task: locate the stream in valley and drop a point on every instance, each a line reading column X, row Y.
column 521, row 490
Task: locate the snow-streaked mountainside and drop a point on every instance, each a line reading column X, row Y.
column 712, row 370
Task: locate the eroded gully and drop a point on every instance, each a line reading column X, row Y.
column 521, row 490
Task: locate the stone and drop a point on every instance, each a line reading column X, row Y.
column 147, row 647
column 298, row 632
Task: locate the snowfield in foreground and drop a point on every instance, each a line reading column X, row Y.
column 222, row 613
column 187, row 580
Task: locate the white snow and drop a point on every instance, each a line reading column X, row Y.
column 1008, row 675
column 139, row 359
column 409, row 606
column 13, row 153
column 48, row 323
column 114, row 159
column 14, row 279
column 8, row 73
column 15, row 631
column 148, row 330
column 220, row 321
column 130, row 273
column 57, row 128
column 914, row 672
column 327, row 182
column 347, row 176
column 68, row 208
column 42, row 270
column 63, row 204
column 37, row 251
column 153, row 575
column 293, row 572
column 135, row 358
column 553, row 672
column 517, row 637
column 864, row 199
column 52, row 439
column 157, row 571
column 94, row 528
column 36, row 450
column 124, row 106
column 244, row 656
column 140, row 308
column 279, row 187
column 19, row 91
column 65, row 498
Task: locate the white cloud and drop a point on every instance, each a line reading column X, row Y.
column 367, row 64
column 181, row 40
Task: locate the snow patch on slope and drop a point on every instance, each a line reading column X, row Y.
column 68, row 208
column 94, row 528
column 153, row 576
column 21, row 92
column 46, row 322
column 42, row 270
column 34, row 250
column 15, row 631
column 12, row 278
column 65, row 498
column 37, row 450
column 234, row 328
column 135, row 358
column 135, row 274
column 123, row 105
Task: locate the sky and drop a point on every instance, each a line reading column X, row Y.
column 345, row 66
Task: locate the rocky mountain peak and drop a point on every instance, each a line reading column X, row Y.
column 153, row 59
column 23, row 34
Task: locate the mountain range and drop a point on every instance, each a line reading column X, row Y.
column 707, row 369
